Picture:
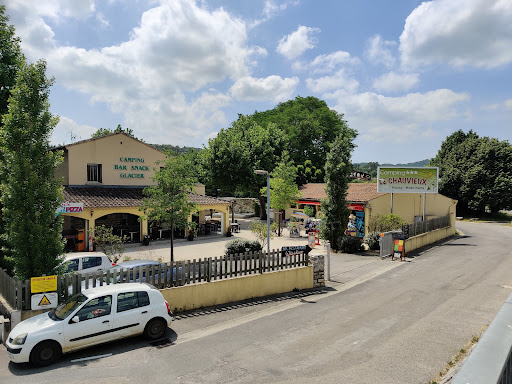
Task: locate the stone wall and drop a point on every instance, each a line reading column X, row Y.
column 244, row 205
column 318, row 262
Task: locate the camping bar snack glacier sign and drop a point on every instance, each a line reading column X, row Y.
column 407, row 179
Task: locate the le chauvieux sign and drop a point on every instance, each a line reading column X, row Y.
column 131, row 167
column 407, row 179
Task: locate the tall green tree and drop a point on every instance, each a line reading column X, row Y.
column 309, row 127
column 236, row 152
column 283, row 189
column 334, row 207
column 11, row 60
column 30, row 195
column 169, row 200
column 476, row 171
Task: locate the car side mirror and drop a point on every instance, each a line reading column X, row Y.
column 75, row 319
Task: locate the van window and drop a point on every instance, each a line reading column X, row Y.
column 90, row 262
column 72, row 265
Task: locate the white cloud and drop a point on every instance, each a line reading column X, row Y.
column 296, row 43
column 67, row 130
column 326, row 63
column 398, row 119
column 272, row 87
column 394, row 82
column 271, row 9
column 340, row 80
column 508, row 104
column 177, row 49
column 379, row 51
column 458, row 32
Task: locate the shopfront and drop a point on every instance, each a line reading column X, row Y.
column 106, row 176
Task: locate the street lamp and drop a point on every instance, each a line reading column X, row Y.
column 262, row 172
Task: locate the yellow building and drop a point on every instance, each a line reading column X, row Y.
column 366, row 203
column 104, row 180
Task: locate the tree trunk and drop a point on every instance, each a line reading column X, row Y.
column 172, row 243
column 263, row 207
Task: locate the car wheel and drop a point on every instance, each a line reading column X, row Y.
column 45, row 353
column 155, row 329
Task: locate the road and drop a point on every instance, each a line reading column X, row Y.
column 401, row 326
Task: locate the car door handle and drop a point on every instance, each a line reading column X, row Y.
column 106, row 321
column 144, row 311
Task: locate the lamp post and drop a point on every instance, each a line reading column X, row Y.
column 262, row 172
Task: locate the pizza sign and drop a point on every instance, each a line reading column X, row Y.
column 68, row 207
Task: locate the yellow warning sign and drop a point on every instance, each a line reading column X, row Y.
column 43, row 284
column 44, row 301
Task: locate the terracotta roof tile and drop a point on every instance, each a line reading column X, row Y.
column 357, row 192
column 106, row 196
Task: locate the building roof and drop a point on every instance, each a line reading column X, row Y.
column 114, row 196
column 357, row 192
column 313, row 191
column 65, row 146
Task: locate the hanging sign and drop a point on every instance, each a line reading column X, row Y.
column 407, row 179
column 67, row 207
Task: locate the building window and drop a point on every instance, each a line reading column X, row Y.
column 94, row 172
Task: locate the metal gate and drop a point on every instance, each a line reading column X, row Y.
column 386, row 243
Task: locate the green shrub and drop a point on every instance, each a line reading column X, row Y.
column 236, row 246
column 350, row 244
column 372, row 239
column 386, row 223
column 310, row 210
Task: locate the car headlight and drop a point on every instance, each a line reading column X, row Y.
column 20, row 339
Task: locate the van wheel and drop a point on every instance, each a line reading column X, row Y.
column 155, row 329
column 45, row 353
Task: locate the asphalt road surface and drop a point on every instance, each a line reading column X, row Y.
column 401, row 326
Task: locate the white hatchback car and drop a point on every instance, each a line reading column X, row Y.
column 85, row 263
column 95, row 316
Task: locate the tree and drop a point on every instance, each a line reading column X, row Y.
column 169, row 200
column 334, row 207
column 309, row 127
column 259, row 229
column 105, row 131
column 476, row 171
column 110, row 244
column 11, row 60
column 236, row 152
column 30, row 195
column 283, row 189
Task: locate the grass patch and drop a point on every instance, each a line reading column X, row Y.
column 460, row 356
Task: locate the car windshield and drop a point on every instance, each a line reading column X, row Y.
column 64, row 309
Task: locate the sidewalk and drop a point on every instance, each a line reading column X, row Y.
column 343, row 267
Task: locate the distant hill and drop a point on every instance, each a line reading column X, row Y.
column 175, row 149
column 421, row 163
column 371, row 167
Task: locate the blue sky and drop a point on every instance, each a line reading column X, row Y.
column 405, row 73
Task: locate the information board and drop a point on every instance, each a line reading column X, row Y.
column 43, row 284
column 407, row 179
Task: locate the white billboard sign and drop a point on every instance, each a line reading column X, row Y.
column 407, row 179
